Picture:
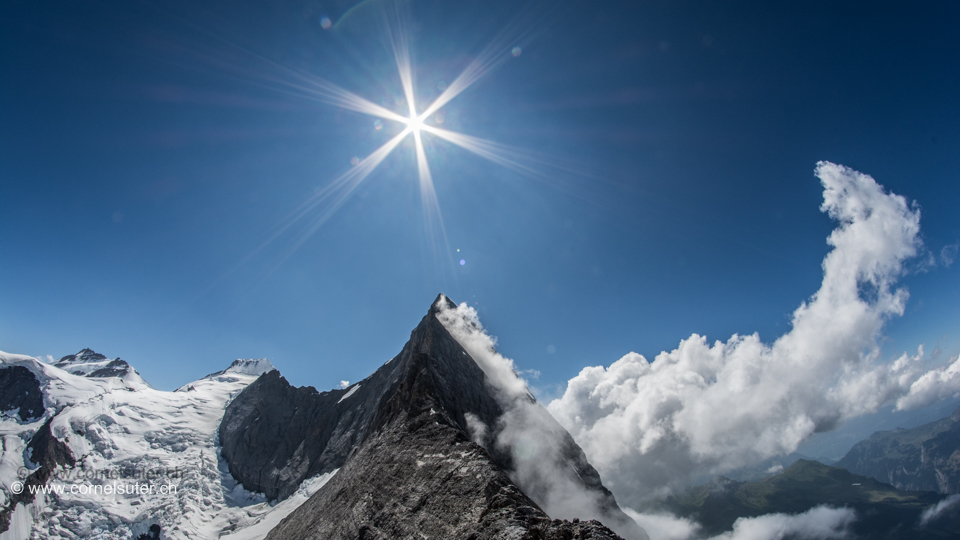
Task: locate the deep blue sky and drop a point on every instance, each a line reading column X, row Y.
column 145, row 152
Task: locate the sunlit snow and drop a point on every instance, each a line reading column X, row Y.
column 124, row 435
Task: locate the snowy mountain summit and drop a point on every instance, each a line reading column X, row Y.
column 246, row 366
column 88, row 363
column 442, row 441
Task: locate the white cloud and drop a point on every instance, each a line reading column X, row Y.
column 820, row 523
column 933, row 386
column 935, row 511
column 713, row 407
column 665, row 526
column 948, row 254
column 532, row 373
column 344, row 384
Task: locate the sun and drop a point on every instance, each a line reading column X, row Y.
column 415, row 124
column 325, row 201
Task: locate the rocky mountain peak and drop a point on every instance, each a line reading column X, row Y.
column 85, row 356
column 433, row 399
column 88, row 363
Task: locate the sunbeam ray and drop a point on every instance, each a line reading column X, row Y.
column 500, row 154
column 434, row 229
column 316, row 88
column 344, row 186
column 401, row 55
column 260, row 71
column 338, row 191
column 492, row 56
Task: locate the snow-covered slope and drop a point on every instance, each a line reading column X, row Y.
column 143, row 456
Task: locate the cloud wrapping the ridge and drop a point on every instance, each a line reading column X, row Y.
column 713, row 407
column 532, row 437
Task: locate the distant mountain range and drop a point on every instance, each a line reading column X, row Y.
column 925, row 458
column 901, row 484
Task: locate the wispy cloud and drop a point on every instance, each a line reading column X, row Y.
column 665, row 526
column 948, row 254
column 937, row 510
column 820, row 523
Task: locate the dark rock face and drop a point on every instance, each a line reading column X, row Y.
column 152, row 534
column 48, row 452
column 401, row 439
column 116, row 368
column 925, row 458
column 274, row 436
column 20, row 389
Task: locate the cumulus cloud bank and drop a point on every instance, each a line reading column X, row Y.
column 712, row 407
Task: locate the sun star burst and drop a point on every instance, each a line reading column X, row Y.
column 319, row 207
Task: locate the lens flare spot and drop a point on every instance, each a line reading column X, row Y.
column 463, row 262
column 354, row 160
column 326, row 23
column 516, row 51
column 378, row 125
